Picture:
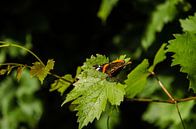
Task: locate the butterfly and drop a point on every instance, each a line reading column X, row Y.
column 112, row 68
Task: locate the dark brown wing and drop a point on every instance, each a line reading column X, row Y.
column 114, row 68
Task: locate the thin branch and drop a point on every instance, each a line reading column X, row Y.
column 171, row 97
column 6, row 44
column 161, row 101
column 183, row 125
column 52, row 74
column 59, row 77
column 163, row 87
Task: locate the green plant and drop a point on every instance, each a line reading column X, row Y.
column 94, row 93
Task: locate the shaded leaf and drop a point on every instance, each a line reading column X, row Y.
column 41, row 71
column 61, row 85
column 164, row 13
column 164, row 115
column 114, row 118
column 159, row 57
column 184, row 50
column 106, row 8
column 137, row 79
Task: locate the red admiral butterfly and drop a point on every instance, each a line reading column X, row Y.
column 112, row 68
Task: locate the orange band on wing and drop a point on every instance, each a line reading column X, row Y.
column 118, row 61
column 104, row 68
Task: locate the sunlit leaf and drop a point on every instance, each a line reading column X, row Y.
column 184, row 49
column 41, row 71
column 189, row 24
column 92, row 91
column 95, row 60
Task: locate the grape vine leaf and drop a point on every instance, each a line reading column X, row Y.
column 94, row 60
column 159, row 57
column 105, row 9
column 61, row 85
column 165, row 115
column 137, row 79
column 41, row 71
column 184, row 50
column 93, row 91
column 189, row 24
column 164, row 13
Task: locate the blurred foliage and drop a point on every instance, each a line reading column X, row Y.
column 18, row 106
column 164, row 13
column 106, row 8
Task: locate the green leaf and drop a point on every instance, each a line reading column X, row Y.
column 115, row 93
column 105, row 9
column 93, row 91
column 41, row 71
column 95, row 60
column 184, row 50
column 159, row 57
column 61, row 85
column 114, row 118
column 189, row 24
column 164, row 13
column 123, row 57
column 165, row 115
column 28, row 109
column 137, row 79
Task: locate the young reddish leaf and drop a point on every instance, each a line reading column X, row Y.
column 41, row 71
column 19, row 72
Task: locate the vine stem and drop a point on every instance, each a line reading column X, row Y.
column 170, row 96
column 57, row 76
column 161, row 101
column 5, row 44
